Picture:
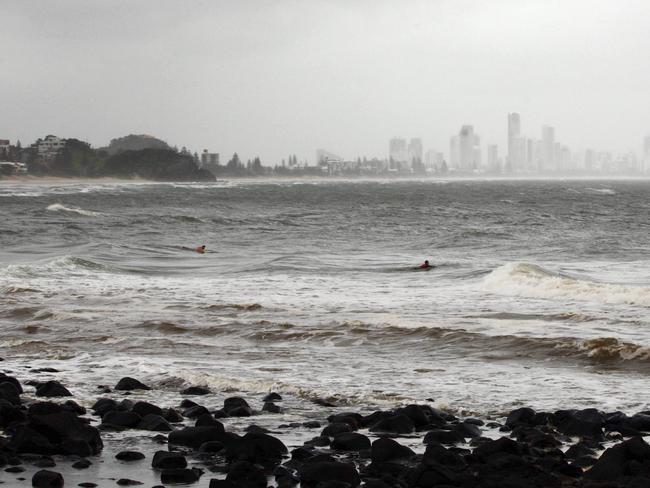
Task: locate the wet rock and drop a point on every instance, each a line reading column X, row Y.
column 443, row 437
column 168, row 460
column 74, row 407
column 629, row 457
column 374, row 417
column 285, row 478
column 417, row 415
column 581, row 423
column 196, row 390
column 195, row 412
column 502, row 445
column 211, row 447
column 207, row 420
column 122, row 419
column 302, row 453
column 336, row 428
column 313, row 473
column 180, row 475
column 257, row 428
column 385, row 449
column 129, row 456
column 56, row 432
column 172, row 416
column 272, row 397
column 127, row 482
column 350, row 441
column 257, row 448
column 246, row 474
column 320, row 441
column 52, row 389
column 47, row 479
column 312, row 424
column 467, row 430
column 520, row 416
column 271, row 408
column 128, row 383
column 4, row 378
column 222, row 484
column 155, row 423
column 438, row 455
column 578, row 450
column 187, row 403
column 195, row 436
column 10, row 393
column 397, row 424
column 354, row 419
column 103, row 406
column 145, row 408
column 15, row 469
column 236, row 407
column 10, row 413
column 87, row 484
column 82, row 464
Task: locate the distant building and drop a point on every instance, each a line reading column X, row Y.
column 397, row 153
column 415, row 152
column 4, row 149
column 454, row 152
column 493, row 158
column 514, row 142
column 646, row 153
column 469, row 149
column 433, row 160
column 209, row 161
column 48, row 147
column 548, row 148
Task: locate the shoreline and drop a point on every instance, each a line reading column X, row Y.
column 248, row 441
column 43, row 180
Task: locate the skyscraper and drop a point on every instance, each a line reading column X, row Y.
column 469, row 149
column 415, row 152
column 514, row 134
column 548, row 148
column 454, row 152
column 397, row 155
column 493, row 158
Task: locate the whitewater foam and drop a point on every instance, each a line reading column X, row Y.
column 533, row 281
column 57, row 207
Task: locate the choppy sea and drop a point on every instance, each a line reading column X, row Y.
column 540, row 294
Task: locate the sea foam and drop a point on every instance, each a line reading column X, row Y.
column 533, row 281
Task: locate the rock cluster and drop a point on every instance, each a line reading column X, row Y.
column 531, row 449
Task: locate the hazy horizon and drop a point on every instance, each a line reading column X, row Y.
column 273, row 78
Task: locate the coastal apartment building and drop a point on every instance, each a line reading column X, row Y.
column 48, row 147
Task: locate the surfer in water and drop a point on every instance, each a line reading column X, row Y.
column 199, row 249
column 425, row 265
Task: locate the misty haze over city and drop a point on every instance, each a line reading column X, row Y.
column 271, row 79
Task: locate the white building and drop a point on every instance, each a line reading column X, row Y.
column 49, row 147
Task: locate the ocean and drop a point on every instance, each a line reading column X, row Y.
column 540, row 295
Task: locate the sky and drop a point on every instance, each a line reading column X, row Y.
column 273, row 78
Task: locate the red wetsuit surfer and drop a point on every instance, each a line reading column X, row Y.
column 425, row 265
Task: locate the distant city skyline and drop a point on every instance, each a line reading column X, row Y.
column 273, row 78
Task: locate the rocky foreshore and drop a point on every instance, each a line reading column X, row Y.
column 50, row 440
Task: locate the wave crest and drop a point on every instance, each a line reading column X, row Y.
column 533, row 281
column 58, row 207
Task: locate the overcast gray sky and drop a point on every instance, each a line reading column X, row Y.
column 271, row 78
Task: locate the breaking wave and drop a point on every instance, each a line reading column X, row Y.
column 64, row 263
column 57, row 207
column 533, row 281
